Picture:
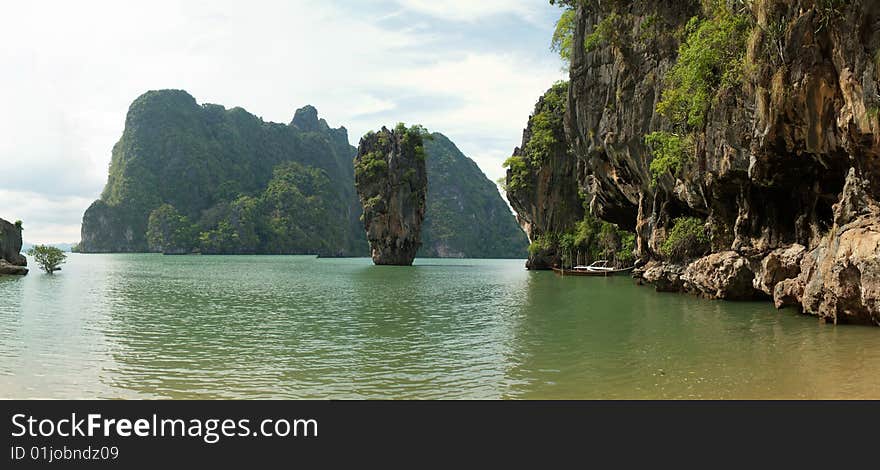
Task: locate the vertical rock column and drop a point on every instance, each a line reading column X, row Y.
column 392, row 183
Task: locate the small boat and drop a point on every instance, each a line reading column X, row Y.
column 599, row 268
column 580, row 272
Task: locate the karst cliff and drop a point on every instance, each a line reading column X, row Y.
column 738, row 141
column 392, row 184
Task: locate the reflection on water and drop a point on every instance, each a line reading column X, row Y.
column 300, row 327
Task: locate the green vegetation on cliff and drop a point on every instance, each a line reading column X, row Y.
column 170, row 232
column 374, row 165
column 563, row 35
column 288, row 217
column 606, row 30
column 590, row 240
column 546, row 136
column 214, row 166
column 669, row 152
column 711, row 58
column 465, row 216
column 546, row 124
column 371, row 165
column 186, row 177
column 602, row 32
column 290, row 213
column 687, row 239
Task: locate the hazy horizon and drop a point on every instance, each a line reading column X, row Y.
column 448, row 65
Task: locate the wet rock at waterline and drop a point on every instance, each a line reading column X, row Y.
column 725, row 275
column 11, row 259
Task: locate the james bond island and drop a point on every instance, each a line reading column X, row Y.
column 692, row 211
column 391, row 181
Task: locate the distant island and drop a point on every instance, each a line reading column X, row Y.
column 189, row 178
column 66, row 247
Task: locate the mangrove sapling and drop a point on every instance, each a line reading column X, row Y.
column 48, row 258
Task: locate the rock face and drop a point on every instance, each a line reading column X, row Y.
column 781, row 162
column 11, row 259
column 544, row 193
column 777, row 267
column 663, row 276
column 841, row 276
column 724, row 275
column 391, row 181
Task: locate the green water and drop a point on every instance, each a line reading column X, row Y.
column 150, row 326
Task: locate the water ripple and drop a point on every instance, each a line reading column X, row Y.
column 112, row 326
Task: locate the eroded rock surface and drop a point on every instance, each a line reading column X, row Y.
column 781, row 264
column 544, row 193
column 841, row 281
column 785, row 165
column 726, row 275
column 391, row 182
column 664, row 277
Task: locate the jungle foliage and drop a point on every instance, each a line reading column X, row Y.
column 465, row 215
column 590, row 240
column 686, row 239
column 288, row 217
column 710, row 59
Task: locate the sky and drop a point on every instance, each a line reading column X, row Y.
column 472, row 70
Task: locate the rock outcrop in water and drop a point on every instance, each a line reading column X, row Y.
column 751, row 126
column 11, row 259
column 392, row 183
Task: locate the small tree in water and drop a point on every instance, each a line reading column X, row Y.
column 48, row 258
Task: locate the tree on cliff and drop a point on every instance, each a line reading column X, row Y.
column 48, row 258
column 170, row 232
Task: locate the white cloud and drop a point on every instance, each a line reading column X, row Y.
column 70, row 70
column 368, row 104
column 471, row 10
column 46, row 219
column 496, row 100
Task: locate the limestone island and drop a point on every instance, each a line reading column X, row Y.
column 392, row 184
